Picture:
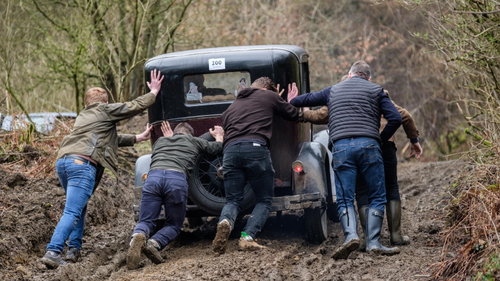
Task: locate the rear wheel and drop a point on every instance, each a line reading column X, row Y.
column 206, row 186
column 316, row 225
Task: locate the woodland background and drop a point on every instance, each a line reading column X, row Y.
column 438, row 59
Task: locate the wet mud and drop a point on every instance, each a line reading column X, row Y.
column 30, row 208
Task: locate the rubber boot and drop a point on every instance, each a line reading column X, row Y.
column 362, row 221
column 374, row 219
column 394, row 223
column 351, row 241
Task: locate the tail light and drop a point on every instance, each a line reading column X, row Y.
column 298, row 167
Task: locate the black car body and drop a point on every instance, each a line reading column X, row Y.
column 200, row 84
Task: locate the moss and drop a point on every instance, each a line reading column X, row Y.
column 490, row 269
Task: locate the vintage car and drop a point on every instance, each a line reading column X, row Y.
column 199, row 85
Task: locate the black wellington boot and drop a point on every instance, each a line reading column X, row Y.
column 374, row 219
column 394, row 223
column 351, row 241
column 362, row 221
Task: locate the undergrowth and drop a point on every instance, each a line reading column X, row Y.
column 28, row 152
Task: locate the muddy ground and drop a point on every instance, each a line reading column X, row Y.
column 30, row 208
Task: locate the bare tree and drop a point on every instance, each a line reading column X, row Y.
column 107, row 41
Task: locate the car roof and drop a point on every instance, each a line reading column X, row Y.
column 299, row 52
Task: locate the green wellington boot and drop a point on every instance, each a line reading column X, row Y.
column 394, row 223
column 374, row 219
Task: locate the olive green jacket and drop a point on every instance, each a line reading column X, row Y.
column 94, row 133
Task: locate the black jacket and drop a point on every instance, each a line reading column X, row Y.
column 250, row 117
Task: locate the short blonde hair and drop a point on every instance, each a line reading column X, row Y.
column 95, row 95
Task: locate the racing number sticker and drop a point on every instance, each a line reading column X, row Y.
column 217, row 64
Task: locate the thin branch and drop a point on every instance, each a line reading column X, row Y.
column 477, row 13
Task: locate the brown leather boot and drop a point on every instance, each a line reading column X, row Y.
column 219, row 244
column 134, row 251
column 394, row 223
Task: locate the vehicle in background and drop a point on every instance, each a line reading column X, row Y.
column 44, row 122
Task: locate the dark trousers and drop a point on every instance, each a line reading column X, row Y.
column 168, row 188
column 391, row 176
column 248, row 163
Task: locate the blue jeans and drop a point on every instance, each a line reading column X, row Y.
column 358, row 156
column 77, row 177
column 248, row 163
column 168, row 188
column 391, row 176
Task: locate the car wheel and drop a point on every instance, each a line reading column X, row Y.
column 316, row 225
column 206, row 186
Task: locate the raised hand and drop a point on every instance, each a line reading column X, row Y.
column 217, row 132
column 293, row 91
column 156, row 79
column 144, row 135
column 278, row 90
column 166, row 129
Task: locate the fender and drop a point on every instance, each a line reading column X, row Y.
column 312, row 177
column 323, row 138
column 141, row 169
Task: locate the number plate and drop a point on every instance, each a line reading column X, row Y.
column 217, row 64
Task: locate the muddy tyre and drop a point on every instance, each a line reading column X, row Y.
column 206, row 187
column 316, row 225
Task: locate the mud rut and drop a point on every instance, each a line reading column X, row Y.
column 30, row 211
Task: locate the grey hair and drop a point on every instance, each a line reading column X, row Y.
column 361, row 68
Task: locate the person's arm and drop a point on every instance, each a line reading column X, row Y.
column 408, row 123
column 316, row 116
column 210, row 147
column 411, row 131
column 284, row 109
column 146, row 135
column 390, row 113
column 126, row 140
column 130, row 140
column 312, row 99
column 120, row 111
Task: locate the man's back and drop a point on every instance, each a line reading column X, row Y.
column 179, row 152
column 354, row 109
column 250, row 117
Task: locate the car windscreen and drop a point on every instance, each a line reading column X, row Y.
column 214, row 87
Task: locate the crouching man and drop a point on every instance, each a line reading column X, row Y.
column 174, row 155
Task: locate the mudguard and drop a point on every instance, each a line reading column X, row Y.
column 141, row 172
column 141, row 169
column 323, row 138
column 314, row 177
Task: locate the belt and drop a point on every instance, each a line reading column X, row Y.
column 84, row 159
column 253, row 143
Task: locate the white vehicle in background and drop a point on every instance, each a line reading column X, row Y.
column 44, row 122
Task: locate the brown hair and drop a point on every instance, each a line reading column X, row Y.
column 95, row 95
column 184, row 128
column 361, row 68
column 265, row 83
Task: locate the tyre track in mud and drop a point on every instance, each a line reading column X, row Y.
column 288, row 257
